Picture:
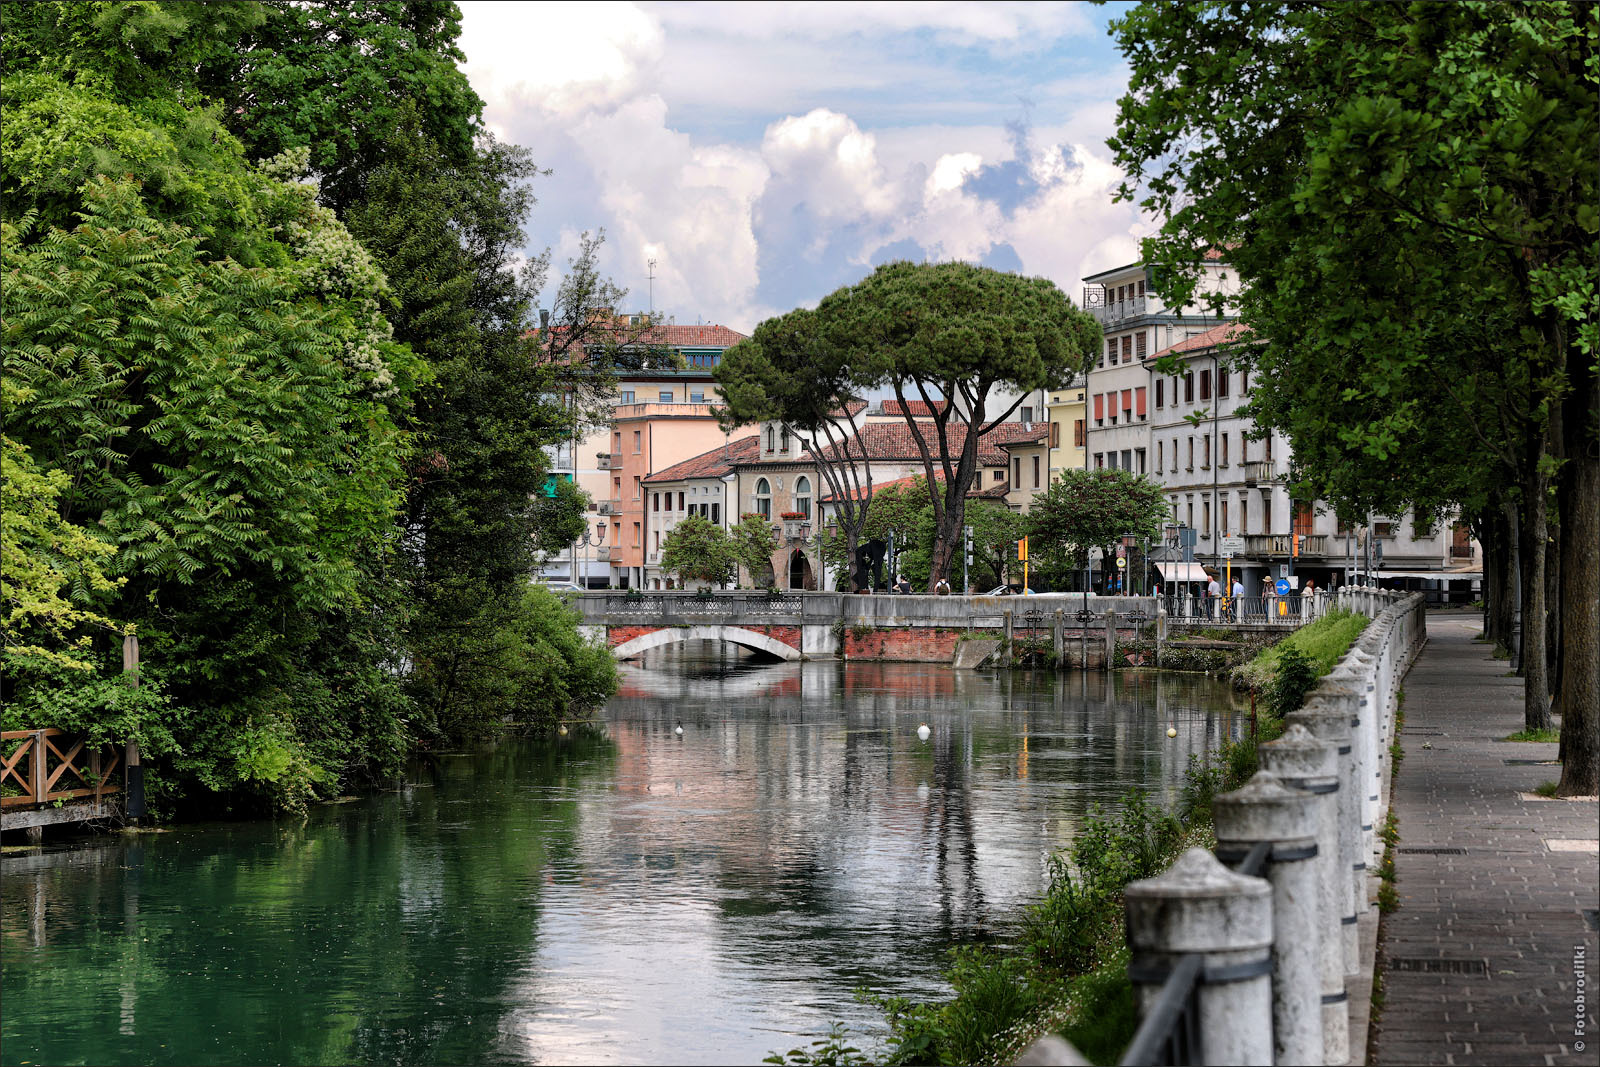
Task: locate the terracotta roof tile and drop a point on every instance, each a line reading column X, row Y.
column 713, row 464
column 894, row 441
column 1228, row 331
column 997, row 491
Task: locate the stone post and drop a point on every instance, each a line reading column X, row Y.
column 1331, row 725
column 1058, row 638
column 1378, row 728
column 1302, row 762
column 1111, row 636
column 1264, row 810
column 1199, row 906
column 1342, row 688
column 1005, row 640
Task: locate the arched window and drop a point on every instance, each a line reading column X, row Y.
column 783, row 439
column 763, row 498
column 770, row 434
column 802, row 495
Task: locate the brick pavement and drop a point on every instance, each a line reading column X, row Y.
column 1509, row 907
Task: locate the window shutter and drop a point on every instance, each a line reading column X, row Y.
column 1099, row 406
column 1139, row 401
column 1055, row 435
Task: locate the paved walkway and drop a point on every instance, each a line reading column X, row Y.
column 1478, row 962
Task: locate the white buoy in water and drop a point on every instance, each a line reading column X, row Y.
column 1172, row 731
column 563, row 730
column 923, row 732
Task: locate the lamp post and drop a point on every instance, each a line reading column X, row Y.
column 595, row 537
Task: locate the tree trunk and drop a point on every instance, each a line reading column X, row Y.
column 947, row 535
column 1505, row 577
column 1579, row 501
column 1535, row 535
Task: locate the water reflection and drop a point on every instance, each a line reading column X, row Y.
column 639, row 897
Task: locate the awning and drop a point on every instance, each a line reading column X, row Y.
column 1183, row 572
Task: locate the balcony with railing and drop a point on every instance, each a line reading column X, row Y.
column 1260, row 545
column 603, row 553
column 1109, row 311
column 1260, row 472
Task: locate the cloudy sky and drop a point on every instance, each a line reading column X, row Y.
column 764, row 154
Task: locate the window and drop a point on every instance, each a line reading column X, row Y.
column 1127, row 404
column 1111, row 460
column 1383, row 529
column 1159, row 392
column 1160, row 456
column 1036, row 472
column 1055, row 435
column 1127, row 459
column 764, row 496
column 616, row 534
column 1244, row 513
column 1016, row 472
column 697, row 398
column 616, row 488
column 802, row 495
column 1190, row 523
column 635, row 535
column 1139, row 403
column 1224, row 514
column 1244, row 383
column 999, row 476
column 655, row 501
column 1099, row 408
column 1223, row 377
column 1141, row 288
column 783, row 438
column 1027, row 414
column 1127, row 349
column 665, row 396
column 636, row 487
column 771, row 437
column 636, row 442
column 1268, row 453
column 1188, row 388
column 1099, row 460
column 680, row 500
column 1138, row 346
column 1304, row 516
column 716, row 514
column 627, row 396
column 1139, row 455
column 1191, row 452
column 1077, row 433
column 1222, row 457
column 1205, row 385
column 657, row 537
column 1205, row 516
column 1206, row 452
column 616, row 442
column 1111, row 352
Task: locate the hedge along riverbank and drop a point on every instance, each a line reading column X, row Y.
column 1066, row 971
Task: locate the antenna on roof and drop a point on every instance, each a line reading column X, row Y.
column 652, row 277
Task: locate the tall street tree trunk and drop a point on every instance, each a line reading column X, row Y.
column 1579, row 502
column 1535, row 535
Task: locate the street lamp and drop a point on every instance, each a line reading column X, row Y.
column 596, row 538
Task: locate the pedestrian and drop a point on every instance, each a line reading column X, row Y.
column 941, row 588
column 1213, row 594
column 1238, row 597
column 905, row 584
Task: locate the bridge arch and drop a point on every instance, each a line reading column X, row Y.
column 738, row 635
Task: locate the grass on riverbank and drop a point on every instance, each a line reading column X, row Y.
column 1323, row 643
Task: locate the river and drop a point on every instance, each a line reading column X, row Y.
column 622, row 895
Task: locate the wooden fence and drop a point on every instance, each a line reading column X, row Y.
column 44, row 766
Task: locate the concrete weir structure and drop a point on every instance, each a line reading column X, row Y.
column 1290, row 874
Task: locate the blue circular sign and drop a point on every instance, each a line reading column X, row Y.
column 1282, row 587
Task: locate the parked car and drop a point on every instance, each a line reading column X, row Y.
column 1009, row 590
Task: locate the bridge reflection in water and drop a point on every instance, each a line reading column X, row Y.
column 642, row 897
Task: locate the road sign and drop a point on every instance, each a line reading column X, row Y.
column 1122, row 563
column 1232, row 546
column 1282, row 587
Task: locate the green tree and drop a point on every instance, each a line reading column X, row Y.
column 996, row 529
column 1084, row 510
column 1409, row 194
column 959, row 333
column 789, row 371
column 752, row 542
column 695, row 550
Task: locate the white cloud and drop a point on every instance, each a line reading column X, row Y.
column 727, row 142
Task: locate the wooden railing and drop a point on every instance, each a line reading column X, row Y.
column 45, row 766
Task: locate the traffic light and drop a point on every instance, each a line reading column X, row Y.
column 1294, row 550
column 1022, row 550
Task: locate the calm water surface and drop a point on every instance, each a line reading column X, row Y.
column 634, row 896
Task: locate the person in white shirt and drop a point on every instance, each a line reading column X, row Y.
column 1213, row 592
